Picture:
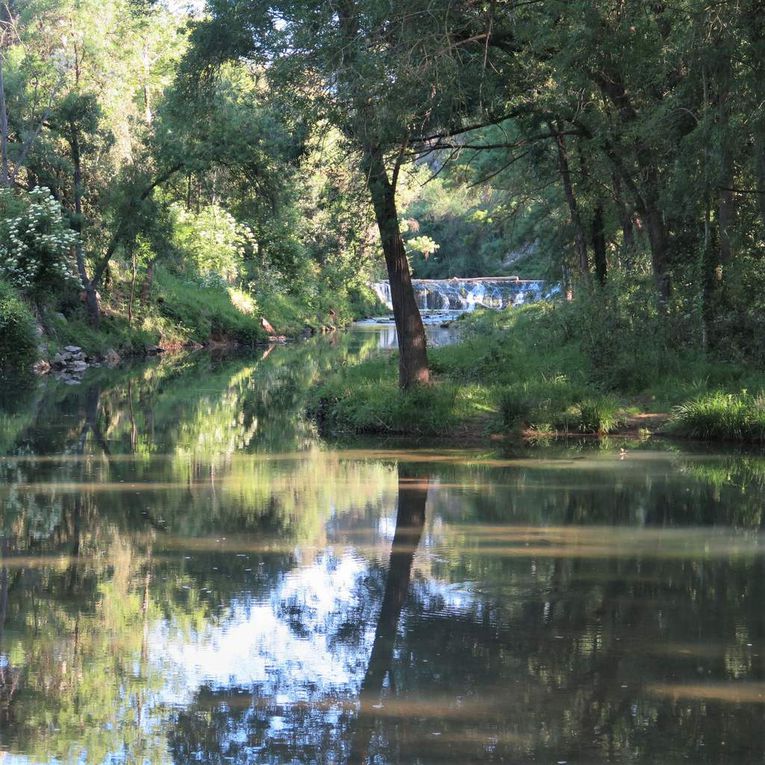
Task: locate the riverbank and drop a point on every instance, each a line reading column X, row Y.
column 178, row 314
column 537, row 372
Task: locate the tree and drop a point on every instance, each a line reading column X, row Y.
column 385, row 74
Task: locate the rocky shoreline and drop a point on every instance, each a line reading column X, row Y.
column 70, row 363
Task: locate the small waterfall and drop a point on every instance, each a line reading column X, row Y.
column 467, row 294
column 382, row 290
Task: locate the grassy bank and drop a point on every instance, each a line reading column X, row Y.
column 180, row 312
column 549, row 369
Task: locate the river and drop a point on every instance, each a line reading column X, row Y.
column 190, row 573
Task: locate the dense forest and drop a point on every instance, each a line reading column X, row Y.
column 175, row 175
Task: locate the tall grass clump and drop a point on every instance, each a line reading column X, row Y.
column 721, row 417
column 599, row 415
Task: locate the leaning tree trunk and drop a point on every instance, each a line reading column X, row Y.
column 413, row 357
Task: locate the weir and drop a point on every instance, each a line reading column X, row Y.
column 466, row 294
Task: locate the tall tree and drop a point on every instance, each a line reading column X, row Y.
column 386, row 74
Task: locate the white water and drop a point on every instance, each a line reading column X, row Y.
column 466, row 294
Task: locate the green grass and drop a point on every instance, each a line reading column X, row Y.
column 533, row 369
column 199, row 313
column 114, row 332
column 719, row 416
column 183, row 311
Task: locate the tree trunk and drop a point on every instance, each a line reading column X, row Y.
column 753, row 23
column 759, row 167
column 147, row 282
column 625, row 221
column 580, row 240
column 5, row 178
column 726, row 207
column 413, row 358
column 709, row 281
column 599, row 243
column 91, row 297
column 657, row 236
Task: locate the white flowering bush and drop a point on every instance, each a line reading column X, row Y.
column 35, row 241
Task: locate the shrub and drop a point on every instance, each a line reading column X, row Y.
column 515, row 407
column 18, row 343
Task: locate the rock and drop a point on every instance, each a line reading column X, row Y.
column 73, row 349
column 58, row 360
column 112, row 358
column 77, row 366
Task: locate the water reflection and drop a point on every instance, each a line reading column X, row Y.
column 189, row 574
column 410, row 522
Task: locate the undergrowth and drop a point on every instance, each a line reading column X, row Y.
column 556, row 367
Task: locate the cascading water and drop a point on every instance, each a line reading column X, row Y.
column 462, row 295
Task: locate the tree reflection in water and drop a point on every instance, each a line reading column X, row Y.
column 188, row 574
column 410, row 522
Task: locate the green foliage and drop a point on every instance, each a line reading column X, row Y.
column 113, row 333
column 626, row 341
column 455, row 229
column 721, row 416
column 210, row 242
column 599, row 415
column 18, row 342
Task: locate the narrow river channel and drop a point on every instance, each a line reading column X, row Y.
column 190, row 573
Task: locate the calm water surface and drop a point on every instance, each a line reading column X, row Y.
column 190, row 574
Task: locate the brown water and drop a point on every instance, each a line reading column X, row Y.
column 190, row 574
